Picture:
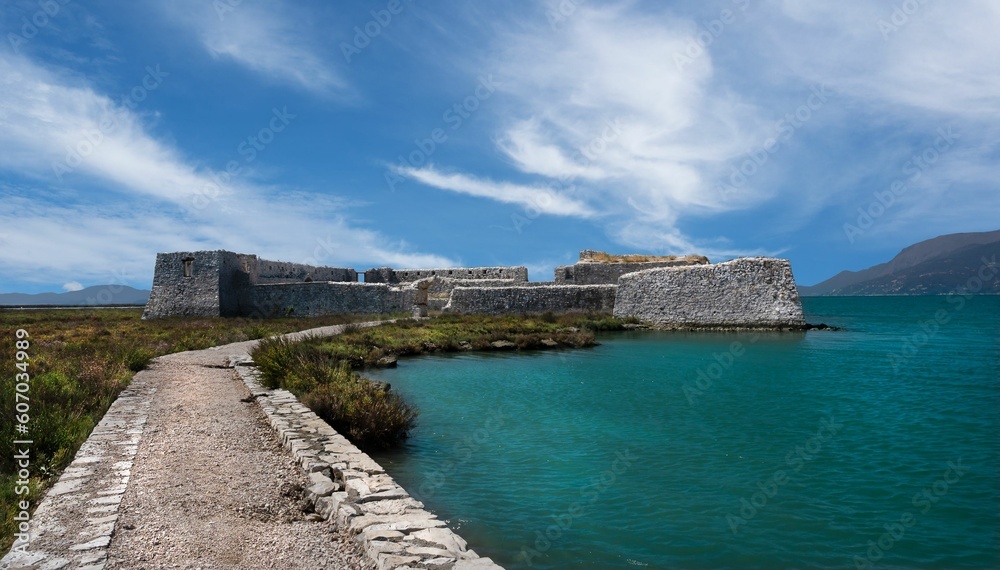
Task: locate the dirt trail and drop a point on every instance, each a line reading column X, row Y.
column 211, row 486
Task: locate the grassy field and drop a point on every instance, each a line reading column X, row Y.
column 78, row 362
column 322, row 371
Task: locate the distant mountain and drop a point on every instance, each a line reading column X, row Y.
column 96, row 295
column 933, row 267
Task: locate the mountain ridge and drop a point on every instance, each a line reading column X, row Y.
column 96, row 295
column 931, row 267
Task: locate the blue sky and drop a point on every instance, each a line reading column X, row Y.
column 433, row 133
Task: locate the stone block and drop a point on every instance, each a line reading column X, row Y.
column 391, row 494
column 345, row 514
column 442, row 562
column 376, row 547
column 428, row 551
column 368, row 534
column 403, row 523
column 322, row 489
column 358, row 488
column 390, row 561
column 99, row 542
column 442, row 537
column 389, row 507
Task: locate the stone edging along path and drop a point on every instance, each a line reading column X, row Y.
column 76, row 521
column 78, row 514
column 350, row 487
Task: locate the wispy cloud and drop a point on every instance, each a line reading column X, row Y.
column 268, row 38
column 932, row 56
column 54, row 126
column 536, row 198
column 117, row 242
column 913, row 70
column 677, row 132
column 610, row 67
column 600, row 106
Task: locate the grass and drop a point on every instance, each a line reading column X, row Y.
column 322, row 371
column 79, row 361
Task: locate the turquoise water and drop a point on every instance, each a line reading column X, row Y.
column 675, row 450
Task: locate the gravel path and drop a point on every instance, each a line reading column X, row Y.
column 211, row 486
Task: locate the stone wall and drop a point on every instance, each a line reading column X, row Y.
column 388, row 275
column 666, row 292
column 196, row 295
column 234, row 283
column 443, row 286
column 751, row 292
column 380, row 275
column 599, row 273
column 220, row 283
column 532, row 299
column 321, row 298
column 265, row 271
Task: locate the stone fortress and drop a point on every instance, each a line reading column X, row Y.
column 663, row 291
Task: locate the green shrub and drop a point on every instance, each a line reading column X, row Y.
column 274, row 357
column 134, row 357
column 363, row 410
column 257, row 331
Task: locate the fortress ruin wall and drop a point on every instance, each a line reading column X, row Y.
column 750, row 292
column 532, row 299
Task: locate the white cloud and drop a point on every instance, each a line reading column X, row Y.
column 647, row 237
column 936, row 57
column 915, row 70
column 939, row 57
column 533, row 198
column 685, row 123
column 602, row 107
column 143, row 196
column 270, row 39
column 609, row 105
column 54, row 128
column 72, row 286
